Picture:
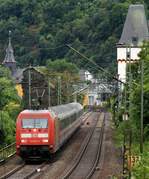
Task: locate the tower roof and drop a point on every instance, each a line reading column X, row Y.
column 9, row 57
column 135, row 29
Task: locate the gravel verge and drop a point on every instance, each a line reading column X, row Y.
column 110, row 164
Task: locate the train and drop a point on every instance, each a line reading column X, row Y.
column 42, row 132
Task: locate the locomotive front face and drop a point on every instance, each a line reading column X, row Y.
column 34, row 131
column 33, row 134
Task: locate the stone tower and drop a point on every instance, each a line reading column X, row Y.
column 9, row 60
column 135, row 31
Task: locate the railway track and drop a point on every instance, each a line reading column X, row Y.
column 10, row 173
column 87, row 160
column 25, row 171
column 85, row 116
column 20, row 171
column 9, row 151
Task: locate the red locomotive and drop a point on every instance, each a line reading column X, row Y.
column 42, row 132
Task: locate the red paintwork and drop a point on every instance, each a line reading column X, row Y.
column 34, row 132
column 56, row 136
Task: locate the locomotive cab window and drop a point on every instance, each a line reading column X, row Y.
column 34, row 123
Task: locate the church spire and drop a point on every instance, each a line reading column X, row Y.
column 9, row 60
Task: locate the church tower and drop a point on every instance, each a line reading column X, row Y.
column 9, row 60
column 135, row 31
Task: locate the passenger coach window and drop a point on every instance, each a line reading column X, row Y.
column 34, row 123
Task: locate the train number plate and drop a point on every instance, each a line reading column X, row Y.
column 34, row 135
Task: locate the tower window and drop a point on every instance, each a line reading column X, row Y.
column 135, row 40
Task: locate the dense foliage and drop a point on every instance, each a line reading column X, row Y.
column 133, row 94
column 65, row 76
column 9, row 107
column 40, row 29
column 133, row 97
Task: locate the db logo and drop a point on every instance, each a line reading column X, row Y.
column 34, row 135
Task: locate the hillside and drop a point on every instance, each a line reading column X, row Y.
column 41, row 28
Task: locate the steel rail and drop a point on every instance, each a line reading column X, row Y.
column 17, row 169
column 35, row 171
column 85, row 115
column 7, row 175
column 80, row 155
column 9, row 151
column 98, row 152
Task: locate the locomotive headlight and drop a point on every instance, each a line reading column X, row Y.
column 23, row 141
column 45, row 140
column 34, row 130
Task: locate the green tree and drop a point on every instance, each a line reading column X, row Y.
column 10, row 105
column 61, row 66
column 67, row 73
column 41, row 29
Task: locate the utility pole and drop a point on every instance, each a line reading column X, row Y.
column 99, row 95
column 130, row 81
column 68, row 89
column 75, row 98
column 49, row 92
column 59, row 90
column 142, row 101
column 118, row 98
column 128, row 72
column 125, row 100
column 129, row 104
column 29, row 87
column 68, row 94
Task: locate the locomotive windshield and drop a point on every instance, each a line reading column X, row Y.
column 34, row 123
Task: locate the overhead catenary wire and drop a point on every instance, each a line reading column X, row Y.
column 98, row 67
column 82, row 55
